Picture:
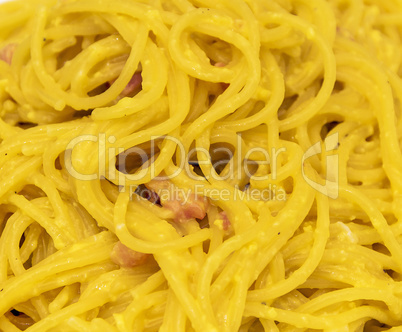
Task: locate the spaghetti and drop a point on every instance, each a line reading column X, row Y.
column 198, row 165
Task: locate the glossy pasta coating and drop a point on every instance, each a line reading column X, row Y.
column 176, row 165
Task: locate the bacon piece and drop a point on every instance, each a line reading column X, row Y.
column 131, row 86
column 184, row 204
column 126, row 257
column 222, row 222
column 226, row 222
column 7, row 52
column 220, row 64
column 193, row 207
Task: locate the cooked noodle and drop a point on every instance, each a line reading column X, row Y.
column 175, row 165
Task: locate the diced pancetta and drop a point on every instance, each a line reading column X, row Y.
column 226, row 222
column 133, row 85
column 184, row 204
column 7, row 52
column 126, row 257
column 220, row 64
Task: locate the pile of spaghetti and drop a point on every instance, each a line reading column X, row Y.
column 201, row 165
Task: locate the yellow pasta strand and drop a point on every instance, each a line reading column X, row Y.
column 200, row 165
